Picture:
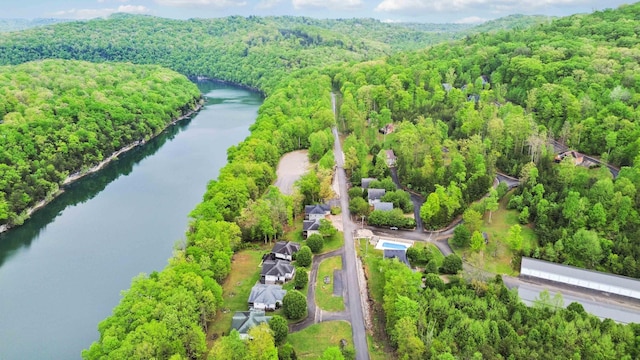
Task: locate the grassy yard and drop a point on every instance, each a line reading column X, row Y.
column 294, row 233
column 371, row 258
column 324, row 292
column 378, row 343
column 333, row 243
column 437, row 255
column 311, row 342
column 245, row 272
column 497, row 255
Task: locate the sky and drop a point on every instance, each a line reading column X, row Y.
column 425, row 11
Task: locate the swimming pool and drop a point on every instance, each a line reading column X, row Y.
column 392, row 245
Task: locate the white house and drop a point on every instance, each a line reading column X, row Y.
column 310, row 227
column 276, row 271
column 316, row 212
column 285, row 249
column 266, row 297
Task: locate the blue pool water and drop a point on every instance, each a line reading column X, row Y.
column 393, row 246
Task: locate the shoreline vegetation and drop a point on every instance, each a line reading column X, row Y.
column 64, row 116
column 242, row 189
column 81, row 174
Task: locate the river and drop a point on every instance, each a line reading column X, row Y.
column 62, row 272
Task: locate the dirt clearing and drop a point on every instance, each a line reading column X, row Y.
column 290, row 168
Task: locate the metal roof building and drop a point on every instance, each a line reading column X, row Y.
column 589, row 279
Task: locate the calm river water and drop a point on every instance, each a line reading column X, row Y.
column 62, row 272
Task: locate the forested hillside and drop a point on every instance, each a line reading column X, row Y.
column 479, row 320
column 493, row 102
column 253, row 51
column 461, row 112
column 61, row 117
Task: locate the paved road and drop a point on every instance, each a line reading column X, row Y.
column 353, row 300
column 599, row 304
column 510, row 181
column 315, row 315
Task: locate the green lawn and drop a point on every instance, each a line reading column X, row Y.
column 378, row 343
column 333, row 243
column 371, row 258
column 245, row 272
column 497, row 255
column 324, row 292
column 311, row 342
column 294, row 233
column 437, row 255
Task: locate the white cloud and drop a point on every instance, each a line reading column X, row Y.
column 103, row 12
column 212, row 3
column 267, row 4
column 329, row 4
column 452, row 6
column 471, row 20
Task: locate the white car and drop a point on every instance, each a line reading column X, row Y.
column 393, row 228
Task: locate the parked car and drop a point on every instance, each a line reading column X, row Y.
column 393, row 228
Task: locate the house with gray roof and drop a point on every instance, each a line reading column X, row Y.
column 243, row 321
column 588, row 279
column 285, row 249
column 366, row 181
column 266, row 297
column 383, row 206
column 374, row 195
column 310, row 227
column 401, row 255
column 276, row 271
column 318, row 211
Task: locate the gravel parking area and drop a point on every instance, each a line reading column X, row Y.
column 290, row 168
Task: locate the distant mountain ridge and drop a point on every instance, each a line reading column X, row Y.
column 253, row 50
column 7, row 25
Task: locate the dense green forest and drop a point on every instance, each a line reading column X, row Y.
column 462, row 111
column 493, row 102
column 62, row 117
column 253, row 51
column 509, row 22
column 485, row 320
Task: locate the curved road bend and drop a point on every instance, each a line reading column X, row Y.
column 353, row 300
column 315, row 315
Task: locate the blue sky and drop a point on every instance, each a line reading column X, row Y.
column 435, row 11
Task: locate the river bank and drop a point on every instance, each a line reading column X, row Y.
column 71, row 261
column 26, row 214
